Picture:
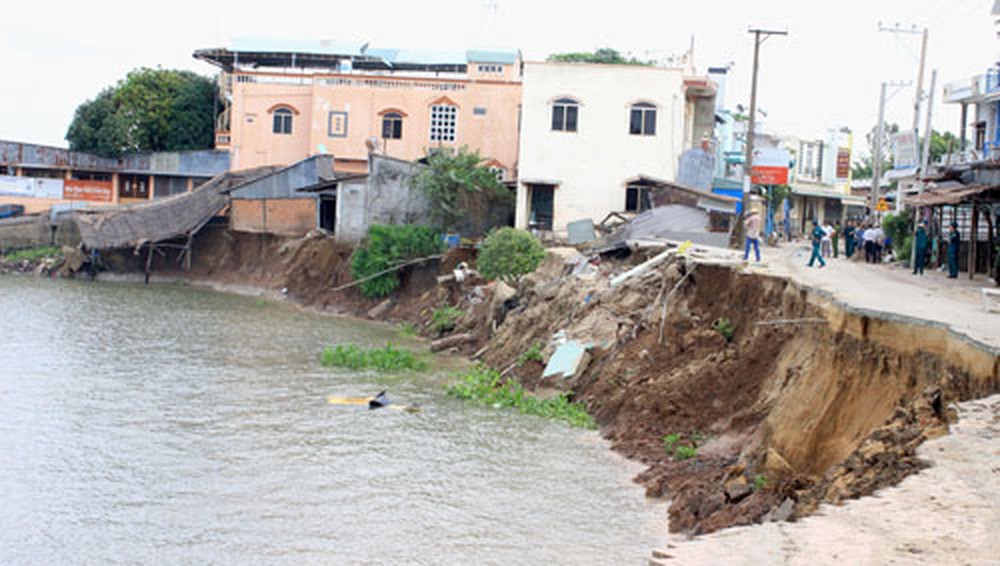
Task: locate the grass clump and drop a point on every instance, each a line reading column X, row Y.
column 680, row 451
column 759, row 483
column 388, row 358
column 485, row 386
column 35, row 254
column 724, row 327
column 532, row 354
column 407, row 330
column 444, row 319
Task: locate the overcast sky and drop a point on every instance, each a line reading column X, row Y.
column 826, row 73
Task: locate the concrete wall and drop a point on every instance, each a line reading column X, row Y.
column 593, row 164
column 37, row 231
column 384, row 197
column 284, row 217
column 487, row 116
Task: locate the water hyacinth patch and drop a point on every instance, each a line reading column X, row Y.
column 388, row 358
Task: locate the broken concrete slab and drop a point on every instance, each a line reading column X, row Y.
column 569, row 358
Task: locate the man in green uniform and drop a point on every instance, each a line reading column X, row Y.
column 954, row 241
column 817, row 240
column 921, row 248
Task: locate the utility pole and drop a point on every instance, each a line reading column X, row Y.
column 880, row 141
column 918, row 97
column 925, row 165
column 760, row 36
column 877, row 158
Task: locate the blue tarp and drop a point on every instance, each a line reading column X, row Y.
column 735, row 193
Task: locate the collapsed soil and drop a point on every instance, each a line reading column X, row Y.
column 815, row 405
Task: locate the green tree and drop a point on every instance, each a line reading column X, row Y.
column 149, row 110
column 864, row 166
column 604, row 56
column 460, row 188
column 942, row 144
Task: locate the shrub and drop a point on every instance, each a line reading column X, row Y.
column 899, row 227
column 383, row 359
column 509, row 254
column 444, row 319
column 485, row 386
column 532, row 354
column 34, row 254
column 724, row 327
column 386, row 247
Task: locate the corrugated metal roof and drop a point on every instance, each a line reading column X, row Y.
column 501, row 56
column 286, row 45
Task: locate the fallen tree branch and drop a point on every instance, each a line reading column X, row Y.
column 384, row 271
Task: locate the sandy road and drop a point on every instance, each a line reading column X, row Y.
column 947, row 514
column 957, row 303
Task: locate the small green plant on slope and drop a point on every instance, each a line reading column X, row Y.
column 386, row 248
column 670, row 442
column 759, row 483
column 383, row 359
column 508, row 254
column 407, row 330
column 724, row 327
column 485, row 386
column 444, row 319
column 532, row 354
column 685, row 452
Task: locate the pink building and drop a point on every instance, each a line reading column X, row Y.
column 288, row 100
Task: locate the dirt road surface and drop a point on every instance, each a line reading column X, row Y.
column 947, row 514
column 957, row 303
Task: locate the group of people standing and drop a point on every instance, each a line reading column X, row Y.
column 869, row 237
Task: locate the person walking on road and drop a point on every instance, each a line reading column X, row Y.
column 920, row 255
column 835, row 238
column 954, row 241
column 817, row 241
column 752, row 228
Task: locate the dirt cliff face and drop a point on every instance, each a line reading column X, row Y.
column 804, row 402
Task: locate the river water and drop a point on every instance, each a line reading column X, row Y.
column 173, row 425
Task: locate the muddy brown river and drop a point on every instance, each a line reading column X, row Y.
column 171, row 425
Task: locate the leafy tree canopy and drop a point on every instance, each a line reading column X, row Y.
column 459, row 187
column 604, row 56
column 149, row 110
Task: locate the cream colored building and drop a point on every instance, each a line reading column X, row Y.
column 589, row 131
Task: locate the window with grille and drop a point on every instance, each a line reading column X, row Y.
column 392, row 126
column 642, row 119
column 444, row 119
column 496, row 69
column 565, row 113
column 498, row 172
column 282, row 121
column 638, row 199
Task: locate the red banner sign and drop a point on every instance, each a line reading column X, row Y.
column 843, row 163
column 95, row 191
column 762, row 175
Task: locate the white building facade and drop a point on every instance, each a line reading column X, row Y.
column 588, row 131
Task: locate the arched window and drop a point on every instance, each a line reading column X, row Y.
column 392, row 126
column 642, row 119
column 565, row 113
column 282, row 121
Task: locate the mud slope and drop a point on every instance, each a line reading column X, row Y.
column 815, row 404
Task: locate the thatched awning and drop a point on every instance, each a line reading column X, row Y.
column 945, row 196
column 161, row 219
